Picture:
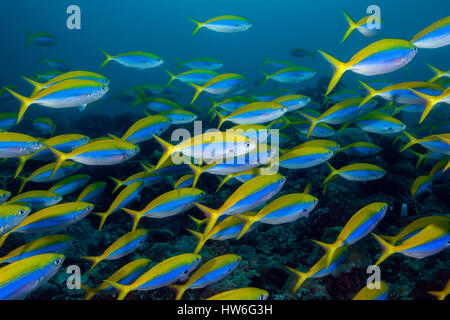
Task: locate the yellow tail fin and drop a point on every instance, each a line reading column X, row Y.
column 136, row 215
column 351, row 25
column 197, row 27
column 212, row 216
column 412, row 141
column 430, row 102
column 108, row 59
column 118, row 183
column 167, row 151
column 248, row 222
column 313, row 124
column 90, row 292
column 24, row 103
column 103, row 216
column 388, row 249
column 94, row 260
column 172, row 77
column 198, row 90
column 338, row 67
column 222, row 119
column 332, row 174
column 123, row 289
column 301, row 277
column 60, row 158
column 37, row 85
column 371, row 94
column 438, row 73
column 330, row 249
column 179, row 290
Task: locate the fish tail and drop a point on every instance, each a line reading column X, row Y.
column 94, row 260
column 211, row 214
column 388, row 249
column 179, row 290
column 103, row 216
column 371, row 93
column 136, row 215
column 338, row 67
column 123, row 289
column 198, row 222
column 108, row 58
column 37, row 85
column 332, row 173
column 3, row 238
column 60, row 158
column 214, row 106
column 179, row 63
column 224, row 181
column 351, row 25
column 29, row 36
column 266, row 77
column 313, row 124
column 197, row 171
column 222, row 119
column 118, row 183
column 330, row 249
column 22, row 185
column 201, row 240
column 438, row 73
column 24, row 103
column 198, row 90
column 172, row 77
column 446, row 166
column 138, row 101
column 197, row 27
column 248, row 222
column 440, row 295
column 325, row 100
column 430, row 102
column 90, row 292
column 167, row 151
column 389, row 239
column 412, row 141
column 22, row 161
column 301, row 277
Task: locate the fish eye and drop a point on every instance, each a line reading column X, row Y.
column 5, row 195
column 104, row 89
column 21, row 212
column 247, row 144
column 261, row 297
column 38, row 144
column 314, row 201
column 283, row 180
column 197, row 260
column 58, row 261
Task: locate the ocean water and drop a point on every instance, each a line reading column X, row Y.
column 163, row 28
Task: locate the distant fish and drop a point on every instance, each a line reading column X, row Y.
column 361, row 149
column 42, row 38
column 55, row 64
column 380, row 57
column 200, row 63
column 306, row 157
column 44, row 125
column 279, row 64
column 437, row 35
column 293, row 101
column 196, row 76
column 138, row 59
column 356, row 172
column 364, row 26
column 302, row 53
column 379, row 123
column 290, row 75
column 47, row 76
column 222, row 84
column 225, row 24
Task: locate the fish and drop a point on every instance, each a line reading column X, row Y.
column 168, row 204
column 11, row 215
column 158, row 104
column 364, row 26
column 306, row 157
column 196, row 76
column 320, row 268
column 248, row 196
column 302, row 53
column 373, row 293
column 438, row 73
column 420, row 185
column 47, row 76
column 381, row 57
column 286, row 209
column 179, row 116
column 293, row 102
column 380, row 123
column 143, row 129
column 98, row 153
column 441, row 295
column 64, row 94
column 52, row 218
column 429, row 241
column 222, row 84
column 212, row 271
column 38, row 270
column 148, row 176
column 290, row 75
column 254, row 113
column 361, row 149
column 125, row 275
column 184, row 182
column 92, row 191
column 435, row 143
column 161, row 275
column 328, row 144
column 44, row 125
column 70, row 184
column 280, row 64
column 359, row 225
column 224, row 24
column 36, row 199
column 42, row 38
column 126, row 196
column 356, row 172
column 436, row 35
column 138, row 59
column 50, row 244
column 249, row 293
column 55, row 64
column 7, row 120
column 208, row 146
column 15, row 145
column 123, row 246
column 200, row 63
column 4, row 196
column 230, row 104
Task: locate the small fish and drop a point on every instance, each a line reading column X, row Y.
column 302, row 53
column 196, row 76
column 138, row 59
column 225, row 24
column 11, row 215
column 328, row 144
column 4, row 196
column 381, row 57
column 441, row 295
column 378, row 291
column 436, row 35
column 306, row 157
column 148, row 176
column 293, row 102
column 158, row 104
column 44, row 125
column 121, row 247
column 38, row 270
column 380, row 123
column 242, row 294
column 290, row 75
column 359, row 225
column 212, row 271
column 179, row 116
column 161, row 275
column 200, row 63
column 126, row 196
column 420, row 185
column 222, row 84
column 365, row 26
column 361, row 149
column 49, row 244
column 92, row 191
column 7, row 120
column 279, row 64
column 143, row 129
column 15, row 145
column 42, row 38
column 47, row 76
column 52, row 218
column 70, row 184
column 429, row 241
column 356, row 172
column 230, row 104
column 167, row 205
column 55, row 64
column 435, row 143
column 125, row 276
column 36, row 199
